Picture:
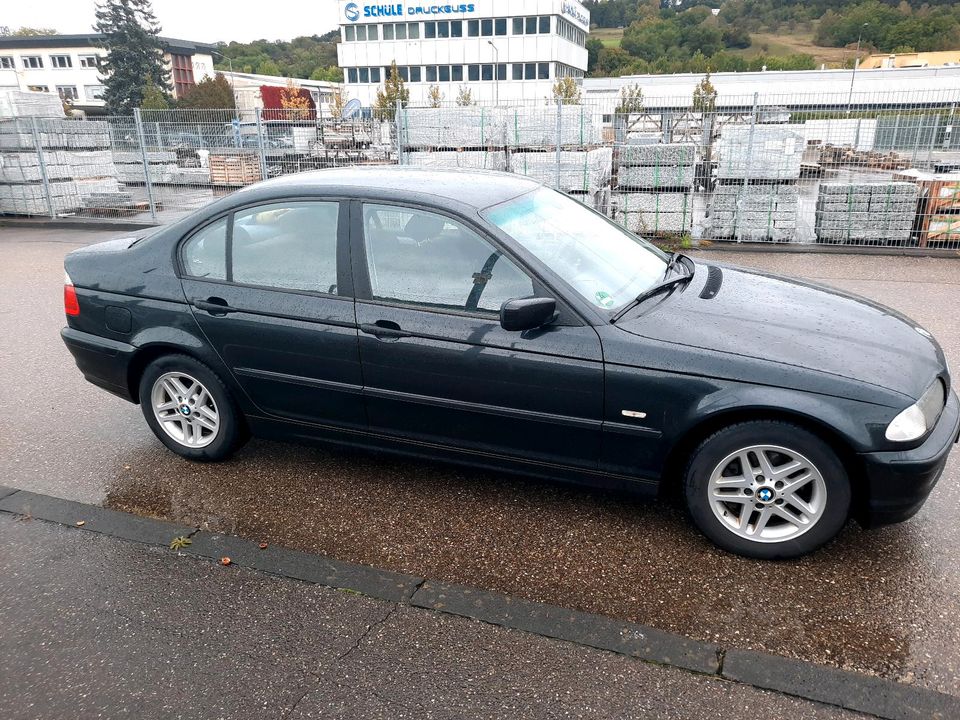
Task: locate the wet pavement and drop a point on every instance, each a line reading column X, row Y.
column 885, row 601
column 115, row 629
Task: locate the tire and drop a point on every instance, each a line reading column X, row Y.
column 800, row 508
column 190, row 410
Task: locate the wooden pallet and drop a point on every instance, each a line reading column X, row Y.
column 942, row 193
column 940, row 228
column 234, row 169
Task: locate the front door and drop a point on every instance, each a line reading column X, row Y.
column 437, row 365
column 269, row 287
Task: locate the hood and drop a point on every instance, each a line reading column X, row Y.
column 799, row 324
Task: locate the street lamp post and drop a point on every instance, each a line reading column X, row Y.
column 856, row 64
column 496, row 72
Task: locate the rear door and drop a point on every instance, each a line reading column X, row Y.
column 439, row 368
column 270, row 287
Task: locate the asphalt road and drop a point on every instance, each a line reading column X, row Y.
column 114, row 629
column 883, row 601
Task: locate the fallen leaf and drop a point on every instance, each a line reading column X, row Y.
column 81, row 523
column 263, row 546
column 225, row 561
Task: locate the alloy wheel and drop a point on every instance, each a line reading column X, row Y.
column 185, row 409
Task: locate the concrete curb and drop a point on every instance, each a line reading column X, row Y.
column 823, row 249
column 830, row 686
column 79, row 224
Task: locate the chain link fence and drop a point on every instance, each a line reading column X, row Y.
column 853, row 169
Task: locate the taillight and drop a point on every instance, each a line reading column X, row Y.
column 71, row 306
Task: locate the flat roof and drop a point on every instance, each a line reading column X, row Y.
column 37, row 42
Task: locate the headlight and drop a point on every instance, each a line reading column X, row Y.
column 914, row 422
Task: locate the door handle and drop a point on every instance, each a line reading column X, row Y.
column 214, row 306
column 384, row 329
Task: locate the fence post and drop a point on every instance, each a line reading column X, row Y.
column 43, row 167
column 399, row 122
column 559, row 137
column 141, row 139
column 263, row 155
column 746, row 170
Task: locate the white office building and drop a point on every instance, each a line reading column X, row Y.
column 501, row 50
column 69, row 65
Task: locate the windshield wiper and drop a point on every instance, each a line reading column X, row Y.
column 666, row 282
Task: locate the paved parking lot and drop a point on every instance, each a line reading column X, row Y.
column 882, row 601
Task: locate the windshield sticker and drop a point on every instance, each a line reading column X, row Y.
column 604, row 299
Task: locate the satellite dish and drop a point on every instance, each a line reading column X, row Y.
column 351, row 109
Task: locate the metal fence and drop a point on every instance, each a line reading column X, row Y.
column 878, row 169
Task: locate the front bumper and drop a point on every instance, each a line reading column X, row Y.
column 104, row 362
column 898, row 483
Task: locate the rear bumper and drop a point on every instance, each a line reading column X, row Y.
column 898, row 483
column 104, row 362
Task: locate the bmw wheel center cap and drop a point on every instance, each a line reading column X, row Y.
column 765, row 494
column 184, row 409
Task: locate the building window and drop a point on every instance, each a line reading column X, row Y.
column 517, row 71
column 405, row 73
column 67, row 92
column 350, row 33
column 181, row 67
column 388, row 32
column 38, row 88
column 61, row 61
column 456, row 73
column 416, row 74
column 364, row 74
column 544, row 24
column 473, row 28
column 530, row 71
column 375, row 75
column 500, row 26
column 361, row 33
column 518, row 26
column 486, row 27
column 431, row 73
column 429, row 30
column 486, row 72
column 31, row 62
column 413, row 31
column 401, row 31
column 373, row 32
column 456, row 28
column 502, row 71
column 473, row 73
column 543, row 71
column 6, row 63
column 443, row 29
column 444, row 73
column 531, row 26
column 89, row 61
column 94, row 92
column 351, row 75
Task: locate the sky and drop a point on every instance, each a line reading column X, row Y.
column 198, row 20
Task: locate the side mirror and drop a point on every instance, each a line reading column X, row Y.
column 527, row 313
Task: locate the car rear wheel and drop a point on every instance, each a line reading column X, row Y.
column 767, row 489
column 189, row 409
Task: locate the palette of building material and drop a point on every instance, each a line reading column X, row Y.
column 759, row 152
column 129, row 163
column 465, row 159
column 754, row 212
column 540, row 126
column 655, row 213
column 583, row 171
column 453, row 127
column 654, row 185
column 866, row 212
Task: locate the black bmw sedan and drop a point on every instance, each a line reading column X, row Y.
column 484, row 319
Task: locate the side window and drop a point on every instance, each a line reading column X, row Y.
column 205, row 254
column 428, row 259
column 292, row 246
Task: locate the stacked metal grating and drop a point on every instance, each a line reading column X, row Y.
column 866, row 213
column 654, row 184
column 53, row 164
column 759, row 152
column 162, row 165
column 758, row 212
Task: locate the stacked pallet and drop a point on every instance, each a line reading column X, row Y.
column 654, row 185
column 129, row 163
column 463, row 159
column 864, row 213
column 755, row 213
column 756, row 198
column 16, row 103
column 583, row 172
column 547, row 126
column 234, row 168
column 940, row 207
column 454, row 128
column 72, row 155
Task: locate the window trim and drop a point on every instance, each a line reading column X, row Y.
column 345, row 285
column 569, row 315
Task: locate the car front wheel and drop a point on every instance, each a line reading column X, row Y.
column 767, row 489
column 189, row 409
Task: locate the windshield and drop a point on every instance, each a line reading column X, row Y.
column 604, row 263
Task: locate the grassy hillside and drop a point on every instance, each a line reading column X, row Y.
column 801, row 42
column 610, row 37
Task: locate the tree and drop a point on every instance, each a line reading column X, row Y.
column 393, row 90
column 210, row 93
column 566, row 91
column 705, row 96
column 330, row 73
column 464, row 97
column 153, row 98
column 5, row 31
column 339, row 104
column 631, row 100
column 134, row 53
column 269, row 67
column 594, row 47
column 293, row 100
column 434, row 96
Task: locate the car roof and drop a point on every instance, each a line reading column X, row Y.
column 476, row 188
